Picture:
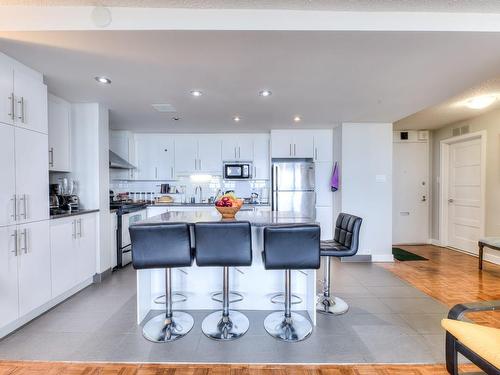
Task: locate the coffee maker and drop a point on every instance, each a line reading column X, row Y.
column 61, row 200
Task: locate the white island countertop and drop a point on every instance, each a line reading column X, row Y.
column 256, row 219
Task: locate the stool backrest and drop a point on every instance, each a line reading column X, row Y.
column 347, row 230
column 223, row 244
column 161, row 245
column 292, row 247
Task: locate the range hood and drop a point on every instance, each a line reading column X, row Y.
column 117, row 162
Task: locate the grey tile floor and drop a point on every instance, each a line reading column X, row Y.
column 389, row 321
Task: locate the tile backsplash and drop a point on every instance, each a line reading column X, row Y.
column 186, row 188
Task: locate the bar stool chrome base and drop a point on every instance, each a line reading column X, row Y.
column 231, row 327
column 163, row 329
column 293, row 329
column 331, row 305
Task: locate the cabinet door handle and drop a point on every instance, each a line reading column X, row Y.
column 21, row 102
column 23, row 199
column 239, row 152
column 51, row 157
column 73, row 227
column 14, row 208
column 195, row 164
column 315, row 153
column 16, row 239
column 235, row 152
column 80, row 228
column 294, row 149
column 172, row 172
column 200, row 164
column 290, row 150
column 24, row 235
column 156, row 173
column 12, row 113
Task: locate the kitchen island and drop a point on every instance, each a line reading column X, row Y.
column 255, row 283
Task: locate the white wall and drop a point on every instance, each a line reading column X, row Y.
column 367, row 184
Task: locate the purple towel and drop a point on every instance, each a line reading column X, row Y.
column 334, row 183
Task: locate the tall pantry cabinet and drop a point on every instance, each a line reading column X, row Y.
column 25, row 281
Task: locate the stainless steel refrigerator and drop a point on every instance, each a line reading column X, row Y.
column 293, row 186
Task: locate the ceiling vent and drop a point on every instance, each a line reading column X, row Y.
column 459, row 131
column 169, row 108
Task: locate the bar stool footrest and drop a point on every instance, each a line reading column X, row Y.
column 161, row 300
column 279, row 299
column 238, row 297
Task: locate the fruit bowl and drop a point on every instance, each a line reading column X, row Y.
column 230, row 212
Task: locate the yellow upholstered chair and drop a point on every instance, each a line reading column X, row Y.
column 480, row 344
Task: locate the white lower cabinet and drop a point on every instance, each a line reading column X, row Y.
column 9, row 307
column 73, row 242
column 34, row 265
column 87, row 245
column 324, row 216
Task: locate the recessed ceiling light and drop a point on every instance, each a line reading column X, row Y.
column 265, row 93
column 480, row 102
column 103, row 80
column 175, row 118
column 196, row 93
column 296, row 119
column 236, row 118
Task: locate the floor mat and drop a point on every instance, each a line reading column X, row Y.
column 403, row 255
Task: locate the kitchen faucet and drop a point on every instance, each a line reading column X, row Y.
column 199, row 189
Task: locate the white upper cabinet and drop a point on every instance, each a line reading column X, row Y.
column 7, row 101
column 59, row 114
column 261, row 156
column 23, row 96
column 155, row 157
column 292, row 144
column 32, row 177
column 186, row 154
column 31, row 102
column 237, row 147
column 198, row 154
column 7, row 176
column 210, row 154
column 323, row 145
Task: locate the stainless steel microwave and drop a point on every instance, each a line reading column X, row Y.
column 237, row 171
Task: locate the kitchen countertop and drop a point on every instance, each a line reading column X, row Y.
column 72, row 213
column 176, row 204
column 256, row 219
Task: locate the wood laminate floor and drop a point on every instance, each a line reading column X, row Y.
column 451, row 277
column 56, row 368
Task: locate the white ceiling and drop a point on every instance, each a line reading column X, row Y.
column 326, row 77
column 481, row 6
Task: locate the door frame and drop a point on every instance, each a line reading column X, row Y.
column 444, row 182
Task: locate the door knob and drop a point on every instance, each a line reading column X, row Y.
column 450, row 200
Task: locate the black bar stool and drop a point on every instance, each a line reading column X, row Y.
column 163, row 246
column 344, row 244
column 290, row 248
column 224, row 244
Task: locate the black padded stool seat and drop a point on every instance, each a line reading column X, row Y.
column 163, row 246
column 287, row 248
column 224, row 244
column 345, row 243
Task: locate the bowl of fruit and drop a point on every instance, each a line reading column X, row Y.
column 228, row 205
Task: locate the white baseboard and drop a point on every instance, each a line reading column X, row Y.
column 5, row 330
column 382, row 258
column 435, row 242
column 490, row 256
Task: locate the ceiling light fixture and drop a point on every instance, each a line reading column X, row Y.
column 196, row 93
column 480, row 102
column 236, row 118
column 103, row 80
column 175, row 118
column 265, row 93
column 296, row 119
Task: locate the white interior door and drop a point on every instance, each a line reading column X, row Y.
column 410, row 193
column 465, row 195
